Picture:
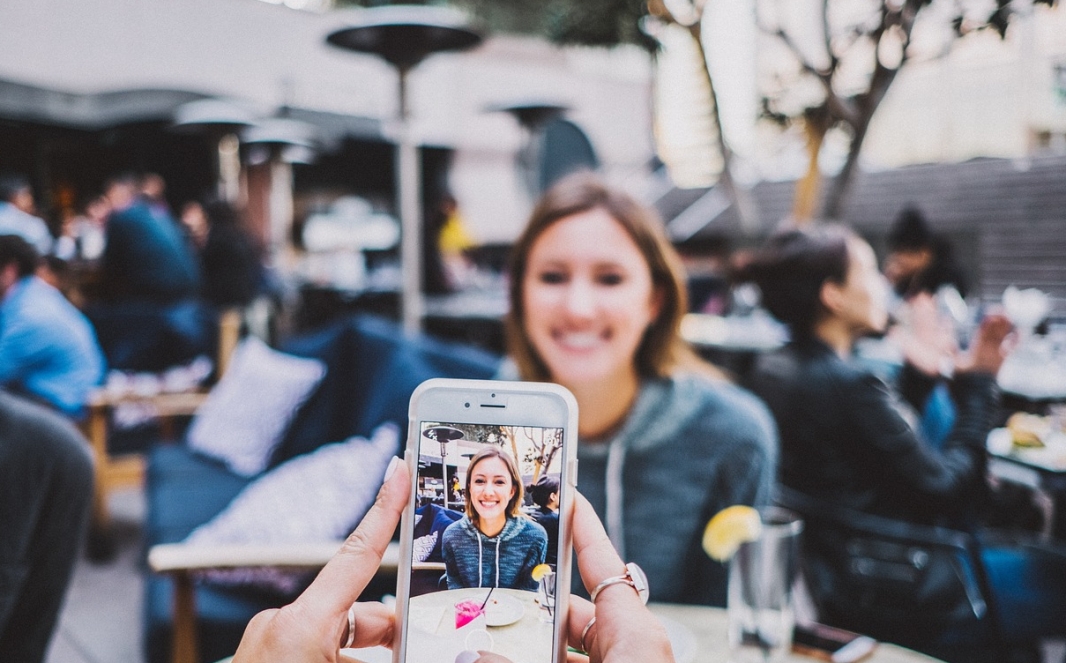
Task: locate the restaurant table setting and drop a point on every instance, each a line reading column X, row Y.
column 698, row 634
column 761, row 548
column 1030, row 451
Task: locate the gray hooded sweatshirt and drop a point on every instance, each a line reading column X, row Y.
column 472, row 559
column 689, row 448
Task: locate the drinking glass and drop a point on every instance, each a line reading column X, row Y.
column 546, row 597
column 759, row 603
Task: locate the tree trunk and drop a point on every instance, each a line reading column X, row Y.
column 805, row 199
column 841, row 185
column 725, row 180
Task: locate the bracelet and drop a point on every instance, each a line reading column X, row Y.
column 351, row 627
column 634, row 577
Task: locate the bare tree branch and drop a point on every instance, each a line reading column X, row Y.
column 826, row 35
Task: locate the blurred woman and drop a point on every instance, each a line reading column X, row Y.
column 230, row 258
column 494, row 544
column 846, row 436
column 545, row 494
column 597, row 295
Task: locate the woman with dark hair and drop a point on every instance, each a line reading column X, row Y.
column 494, row 544
column 846, row 436
column 230, row 257
column 545, row 493
column 596, row 300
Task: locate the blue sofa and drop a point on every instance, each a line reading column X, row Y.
column 372, row 369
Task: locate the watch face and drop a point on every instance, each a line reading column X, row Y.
column 640, row 581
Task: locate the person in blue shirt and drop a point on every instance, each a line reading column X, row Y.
column 17, row 213
column 48, row 350
column 151, row 317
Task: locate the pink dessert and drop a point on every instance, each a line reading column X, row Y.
column 466, row 612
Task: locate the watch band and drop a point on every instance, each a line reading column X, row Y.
column 634, row 577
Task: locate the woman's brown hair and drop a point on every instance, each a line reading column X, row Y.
column 662, row 349
column 514, row 506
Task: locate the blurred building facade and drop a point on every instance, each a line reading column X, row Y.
column 88, row 87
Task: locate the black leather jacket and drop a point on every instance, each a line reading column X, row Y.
column 847, row 437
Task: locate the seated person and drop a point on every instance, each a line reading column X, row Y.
column 229, row 259
column 848, row 439
column 546, row 496
column 45, row 496
column 494, row 544
column 145, row 256
column 17, row 211
column 151, row 318
column 597, row 294
column 48, row 350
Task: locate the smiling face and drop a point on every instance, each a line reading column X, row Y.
column 588, row 299
column 490, row 488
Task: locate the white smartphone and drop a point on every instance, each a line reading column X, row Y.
column 484, row 567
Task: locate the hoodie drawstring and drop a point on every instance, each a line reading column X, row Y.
column 616, row 459
column 480, row 561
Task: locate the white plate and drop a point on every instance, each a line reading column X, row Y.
column 503, row 610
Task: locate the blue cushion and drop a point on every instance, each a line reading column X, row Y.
column 372, row 370
column 185, row 490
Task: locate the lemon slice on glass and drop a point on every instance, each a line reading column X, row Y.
column 539, row 571
column 729, row 528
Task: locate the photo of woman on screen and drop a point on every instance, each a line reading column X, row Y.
column 494, row 544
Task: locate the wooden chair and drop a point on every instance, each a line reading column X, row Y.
column 115, row 472
column 182, row 562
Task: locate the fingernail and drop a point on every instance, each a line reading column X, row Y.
column 391, row 469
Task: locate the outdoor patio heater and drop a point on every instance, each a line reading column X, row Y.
column 443, row 435
column 532, row 115
column 277, row 143
column 221, row 120
column 403, row 36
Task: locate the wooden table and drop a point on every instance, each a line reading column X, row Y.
column 699, row 636
column 1042, row 470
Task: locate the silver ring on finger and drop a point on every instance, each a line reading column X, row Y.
column 584, row 634
column 351, row 628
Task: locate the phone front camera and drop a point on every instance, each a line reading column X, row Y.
column 466, row 404
column 494, row 395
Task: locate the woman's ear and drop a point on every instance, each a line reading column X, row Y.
column 831, row 295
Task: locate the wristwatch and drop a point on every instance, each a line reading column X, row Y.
column 634, row 577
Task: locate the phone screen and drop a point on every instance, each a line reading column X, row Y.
column 485, row 541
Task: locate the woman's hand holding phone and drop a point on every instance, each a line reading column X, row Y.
column 625, row 629
column 312, row 628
